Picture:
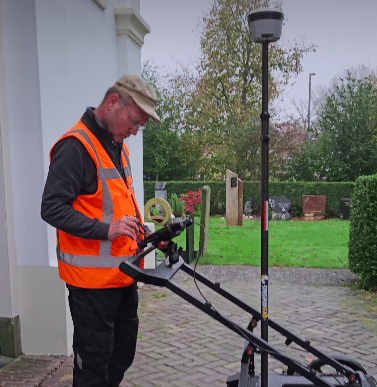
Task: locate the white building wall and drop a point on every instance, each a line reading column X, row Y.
column 24, row 130
column 56, row 58
column 6, row 273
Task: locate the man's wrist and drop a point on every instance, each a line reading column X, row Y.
column 103, row 229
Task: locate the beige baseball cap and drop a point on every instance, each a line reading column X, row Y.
column 141, row 92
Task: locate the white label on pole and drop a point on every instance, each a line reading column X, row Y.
column 264, row 298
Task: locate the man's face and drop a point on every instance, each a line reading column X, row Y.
column 125, row 120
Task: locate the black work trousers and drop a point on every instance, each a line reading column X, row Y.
column 105, row 325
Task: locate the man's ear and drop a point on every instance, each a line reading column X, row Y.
column 112, row 102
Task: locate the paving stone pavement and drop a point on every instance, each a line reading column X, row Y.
column 181, row 346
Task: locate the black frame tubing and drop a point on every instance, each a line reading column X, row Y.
column 162, row 275
column 291, row 338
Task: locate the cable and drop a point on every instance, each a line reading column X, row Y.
column 200, row 253
column 336, row 376
column 235, row 326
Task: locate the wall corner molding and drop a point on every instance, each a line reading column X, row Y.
column 101, row 3
column 128, row 22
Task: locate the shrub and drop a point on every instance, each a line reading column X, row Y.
column 176, row 205
column 362, row 243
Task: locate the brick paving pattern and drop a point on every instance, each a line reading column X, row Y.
column 29, row 371
column 181, row 346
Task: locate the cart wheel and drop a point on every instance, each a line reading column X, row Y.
column 233, row 380
column 351, row 363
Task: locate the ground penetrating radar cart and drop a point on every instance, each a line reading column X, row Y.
column 345, row 370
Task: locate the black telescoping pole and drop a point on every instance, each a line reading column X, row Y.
column 265, row 117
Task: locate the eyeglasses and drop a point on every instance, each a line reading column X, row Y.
column 135, row 123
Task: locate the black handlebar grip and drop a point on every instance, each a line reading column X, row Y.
column 167, row 233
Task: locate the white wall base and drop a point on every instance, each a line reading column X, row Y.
column 46, row 325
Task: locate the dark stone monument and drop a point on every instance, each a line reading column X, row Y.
column 345, row 207
column 280, row 207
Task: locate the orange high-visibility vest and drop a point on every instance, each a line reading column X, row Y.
column 89, row 263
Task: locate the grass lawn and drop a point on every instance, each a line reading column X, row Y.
column 320, row 244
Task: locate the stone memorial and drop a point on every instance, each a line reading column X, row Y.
column 314, row 207
column 240, row 202
column 248, row 209
column 345, row 207
column 234, row 199
column 280, row 206
column 160, row 191
column 158, row 211
column 204, row 219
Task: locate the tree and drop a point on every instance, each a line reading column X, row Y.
column 231, row 68
column 162, row 143
column 305, row 165
column 286, row 139
column 345, row 136
column 226, row 102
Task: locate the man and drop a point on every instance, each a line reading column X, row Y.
column 89, row 199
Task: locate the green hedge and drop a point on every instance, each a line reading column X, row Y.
column 292, row 190
column 362, row 254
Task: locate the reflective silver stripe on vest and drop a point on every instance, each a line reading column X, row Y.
column 110, row 174
column 90, row 261
column 105, row 259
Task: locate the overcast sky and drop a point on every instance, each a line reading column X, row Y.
column 344, row 31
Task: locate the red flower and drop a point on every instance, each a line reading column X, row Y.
column 191, row 199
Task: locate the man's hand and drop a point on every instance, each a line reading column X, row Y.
column 127, row 225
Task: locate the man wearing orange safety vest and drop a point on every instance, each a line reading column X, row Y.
column 90, row 200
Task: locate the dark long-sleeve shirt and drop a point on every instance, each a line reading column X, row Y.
column 72, row 172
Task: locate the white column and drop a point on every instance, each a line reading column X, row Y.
column 22, row 233
column 131, row 29
column 24, row 131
